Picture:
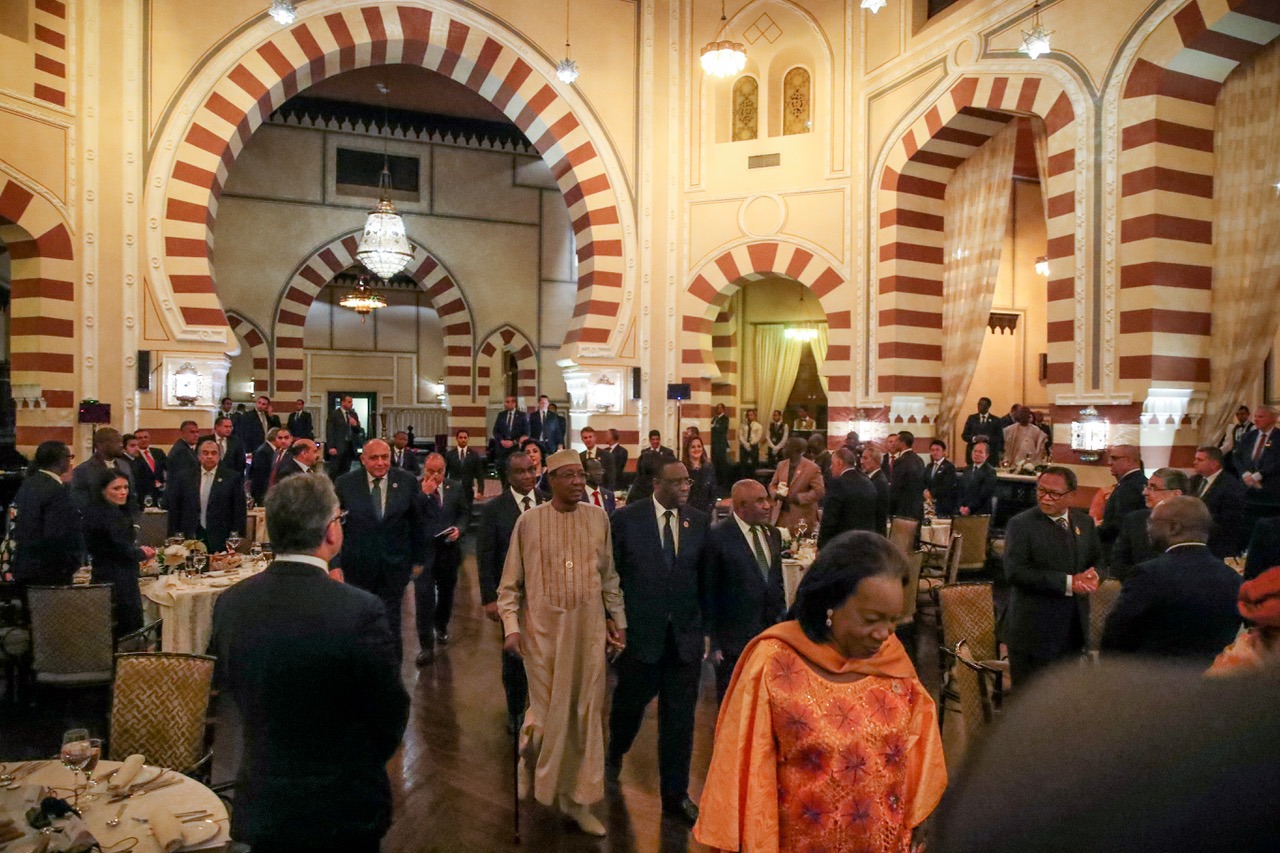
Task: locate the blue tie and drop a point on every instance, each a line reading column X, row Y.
column 668, row 540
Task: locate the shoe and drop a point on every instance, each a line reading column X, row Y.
column 612, row 770
column 681, row 808
column 442, row 637
column 524, row 779
column 426, row 657
column 582, row 816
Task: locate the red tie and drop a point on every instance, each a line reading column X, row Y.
column 151, row 463
column 1257, row 448
column 275, row 469
column 596, row 497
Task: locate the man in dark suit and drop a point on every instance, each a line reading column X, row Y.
column 744, row 593
column 658, row 552
column 543, row 426
column 463, row 464
column 251, row 427
column 148, row 468
column 231, row 448
column 300, row 458
column 1231, row 439
column 403, row 456
column 977, row 483
column 308, row 661
column 339, row 439
column 183, row 453
column 385, row 543
column 1182, row 604
column 493, row 537
column 871, row 467
column 1134, row 544
column 651, row 461
column 447, row 515
column 1264, row 548
column 982, row 426
column 556, row 429
column 600, row 454
column 595, row 492
column 941, row 483
column 720, row 444
column 108, row 452
column 1126, row 467
column 619, row 454
column 1050, row 558
column 906, row 476
column 267, row 459
column 47, row 535
column 510, row 427
column 212, row 500
column 299, row 422
column 1257, row 458
column 1224, row 495
column 851, row 503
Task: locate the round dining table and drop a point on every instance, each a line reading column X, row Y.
column 203, row 816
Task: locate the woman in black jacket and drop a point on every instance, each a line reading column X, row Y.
column 702, row 488
column 109, row 538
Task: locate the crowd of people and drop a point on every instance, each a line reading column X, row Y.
column 825, row 739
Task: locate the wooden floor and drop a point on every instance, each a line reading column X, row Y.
column 453, row 778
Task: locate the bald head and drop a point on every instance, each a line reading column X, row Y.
column 750, row 502
column 1179, row 520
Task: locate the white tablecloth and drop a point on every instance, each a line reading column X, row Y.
column 937, row 532
column 188, row 795
column 187, row 607
column 792, row 571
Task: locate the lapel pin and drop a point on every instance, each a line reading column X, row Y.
column 686, row 524
column 395, row 485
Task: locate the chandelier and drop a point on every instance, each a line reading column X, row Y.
column 363, row 298
column 566, row 69
column 1035, row 42
column 383, row 248
column 723, row 58
column 283, row 12
column 800, row 333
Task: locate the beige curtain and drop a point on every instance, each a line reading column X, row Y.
column 1041, row 138
column 819, row 347
column 777, row 361
column 976, row 216
column 1246, row 237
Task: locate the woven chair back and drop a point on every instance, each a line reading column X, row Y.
column 902, row 532
column 159, row 707
column 70, row 630
column 1100, row 604
column 974, row 529
column 968, row 613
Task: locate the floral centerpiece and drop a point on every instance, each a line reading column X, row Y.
column 176, row 555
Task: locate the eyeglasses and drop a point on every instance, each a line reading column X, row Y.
column 1150, row 488
column 341, row 518
column 1049, row 493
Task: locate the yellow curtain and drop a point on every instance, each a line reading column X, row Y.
column 819, row 347
column 1041, row 137
column 976, row 217
column 1246, row 237
column 777, row 361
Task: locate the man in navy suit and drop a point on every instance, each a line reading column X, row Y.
column 940, row 479
column 509, row 429
column 744, row 593
column 251, row 427
column 595, row 492
column 148, row 468
column 544, row 427
column 1224, row 495
column 498, row 518
column 658, row 551
column 385, row 539
column 463, row 463
column 977, row 483
column 308, row 661
column 402, row 455
column 447, row 514
column 1182, row 604
column 851, row 502
column 1050, row 558
column 299, row 423
column 982, row 426
column 47, row 533
column 212, row 500
column 1257, row 458
column 267, row 460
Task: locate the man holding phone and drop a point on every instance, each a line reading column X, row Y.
column 446, row 508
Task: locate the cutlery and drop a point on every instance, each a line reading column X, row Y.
column 115, row 821
column 138, row 793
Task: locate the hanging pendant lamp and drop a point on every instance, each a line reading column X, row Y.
column 723, row 58
column 383, row 248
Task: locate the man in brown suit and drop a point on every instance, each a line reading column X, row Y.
column 796, row 488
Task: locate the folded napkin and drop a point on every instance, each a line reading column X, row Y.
column 127, row 772
column 9, row 831
column 167, row 830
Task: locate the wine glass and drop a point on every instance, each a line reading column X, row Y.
column 268, row 553
column 76, row 754
column 255, row 551
column 200, row 561
column 234, row 540
column 148, row 502
column 95, row 753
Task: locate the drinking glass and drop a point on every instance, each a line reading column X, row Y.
column 76, row 754
column 95, row 753
column 148, row 502
column 233, row 541
column 200, row 562
column 255, row 551
column 268, row 553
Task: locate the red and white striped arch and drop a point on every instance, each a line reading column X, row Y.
column 716, row 280
column 1165, row 208
column 254, row 76
column 319, row 268
column 507, row 338
column 254, row 338
column 42, row 311
column 908, row 265
column 49, row 32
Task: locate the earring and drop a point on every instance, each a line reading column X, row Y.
column 830, row 612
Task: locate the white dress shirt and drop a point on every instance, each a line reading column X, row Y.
column 659, row 510
column 746, row 533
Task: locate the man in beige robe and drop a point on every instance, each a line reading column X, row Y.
column 797, row 489
column 558, row 573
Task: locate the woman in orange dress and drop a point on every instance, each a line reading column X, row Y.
column 1257, row 648
column 827, row 741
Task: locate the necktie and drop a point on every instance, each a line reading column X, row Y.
column 440, row 496
column 376, row 494
column 1204, row 487
column 206, row 486
column 762, row 560
column 1257, row 448
column 222, row 448
column 528, row 502
column 511, row 416
column 668, row 539
column 151, row 463
column 595, row 496
column 275, row 468
column 1063, row 523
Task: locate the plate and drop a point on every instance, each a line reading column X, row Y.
column 146, row 774
column 220, row 582
column 199, row 832
column 217, row 573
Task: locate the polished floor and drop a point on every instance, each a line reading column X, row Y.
column 453, row 778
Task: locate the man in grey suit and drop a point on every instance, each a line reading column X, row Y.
column 339, row 438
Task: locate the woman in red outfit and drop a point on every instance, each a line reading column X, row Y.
column 826, row 739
